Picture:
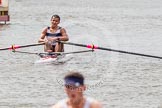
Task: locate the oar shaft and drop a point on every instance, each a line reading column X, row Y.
column 23, row 46
column 81, row 45
column 113, row 50
column 4, row 49
column 75, row 52
column 126, row 52
column 26, row 52
column 69, row 43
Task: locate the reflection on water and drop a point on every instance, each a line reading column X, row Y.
column 123, row 80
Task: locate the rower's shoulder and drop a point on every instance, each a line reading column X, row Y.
column 61, row 28
column 44, row 30
column 95, row 103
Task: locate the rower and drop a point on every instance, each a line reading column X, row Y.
column 52, row 34
column 74, row 87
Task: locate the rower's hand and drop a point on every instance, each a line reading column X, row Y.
column 46, row 40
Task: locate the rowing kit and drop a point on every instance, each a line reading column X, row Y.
column 57, row 56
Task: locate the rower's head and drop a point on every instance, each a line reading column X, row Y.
column 55, row 16
column 55, row 20
column 74, row 85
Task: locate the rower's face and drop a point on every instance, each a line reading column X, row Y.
column 55, row 21
column 74, row 93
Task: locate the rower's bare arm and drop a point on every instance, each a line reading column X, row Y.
column 42, row 37
column 64, row 36
column 96, row 104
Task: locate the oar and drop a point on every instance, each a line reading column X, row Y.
column 22, row 46
column 75, row 52
column 109, row 49
column 25, row 52
column 53, row 53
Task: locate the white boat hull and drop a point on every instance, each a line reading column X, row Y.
column 58, row 59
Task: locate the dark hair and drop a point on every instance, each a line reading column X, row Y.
column 74, row 75
column 55, row 16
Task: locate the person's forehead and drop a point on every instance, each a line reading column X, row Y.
column 54, row 18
